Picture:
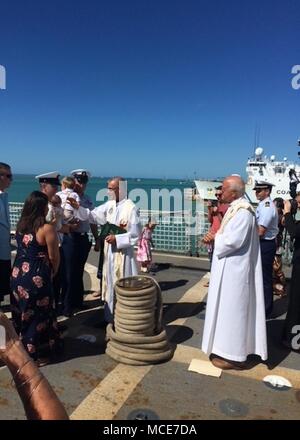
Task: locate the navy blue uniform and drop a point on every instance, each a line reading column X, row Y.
column 76, row 247
column 266, row 215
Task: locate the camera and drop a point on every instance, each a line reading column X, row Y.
column 294, row 206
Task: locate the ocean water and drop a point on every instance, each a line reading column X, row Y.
column 144, row 192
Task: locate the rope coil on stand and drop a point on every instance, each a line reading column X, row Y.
column 138, row 337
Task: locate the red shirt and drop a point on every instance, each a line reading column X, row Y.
column 216, row 222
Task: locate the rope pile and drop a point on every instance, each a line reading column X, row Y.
column 138, row 337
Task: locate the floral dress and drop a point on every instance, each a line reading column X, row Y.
column 32, row 298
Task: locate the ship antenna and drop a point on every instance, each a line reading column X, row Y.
column 256, row 137
column 254, row 145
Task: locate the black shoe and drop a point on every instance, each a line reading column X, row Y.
column 61, row 326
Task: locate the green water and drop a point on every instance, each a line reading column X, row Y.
column 23, row 185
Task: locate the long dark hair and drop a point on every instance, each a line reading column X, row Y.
column 33, row 214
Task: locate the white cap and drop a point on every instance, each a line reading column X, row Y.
column 52, row 177
column 261, row 184
column 81, row 175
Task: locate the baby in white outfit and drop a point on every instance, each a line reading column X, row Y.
column 67, row 186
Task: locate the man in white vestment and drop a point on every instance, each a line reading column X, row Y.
column 118, row 261
column 235, row 324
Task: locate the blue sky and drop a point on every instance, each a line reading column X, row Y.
column 154, row 88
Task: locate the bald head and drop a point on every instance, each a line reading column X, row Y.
column 117, row 188
column 233, row 188
column 116, row 179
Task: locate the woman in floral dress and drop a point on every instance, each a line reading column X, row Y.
column 35, row 265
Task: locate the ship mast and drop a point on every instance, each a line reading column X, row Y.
column 256, row 137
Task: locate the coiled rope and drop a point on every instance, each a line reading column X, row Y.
column 138, row 337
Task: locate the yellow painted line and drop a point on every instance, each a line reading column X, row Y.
column 91, row 269
column 195, row 294
column 261, row 370
column 108, row 397
column 184, row 354
column 179, row 321
column 181, row 257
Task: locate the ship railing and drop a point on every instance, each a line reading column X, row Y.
column 177, row 232
column 15, row 210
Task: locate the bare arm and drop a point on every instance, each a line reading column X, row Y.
column 52, row 245
column 65, row 229
column 39, row 400
column 209, row 211
column 95, row 216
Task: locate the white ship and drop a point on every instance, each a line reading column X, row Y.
column 259, row 167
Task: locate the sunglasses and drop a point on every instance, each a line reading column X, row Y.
column 258, row 190
column 9, row 176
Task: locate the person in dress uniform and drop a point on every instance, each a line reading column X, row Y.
column 76, row 247
column 49, row 183
column 267, row 220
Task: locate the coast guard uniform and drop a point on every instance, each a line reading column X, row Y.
column 76, row 247
column 52, row 178
column 267, row 216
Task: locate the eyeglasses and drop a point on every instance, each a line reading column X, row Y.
column 9, row 176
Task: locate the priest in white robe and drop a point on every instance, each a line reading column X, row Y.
column 235, row 325
column 119, row 260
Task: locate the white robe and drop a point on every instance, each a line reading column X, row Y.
column 114, row 212
column 235, row 322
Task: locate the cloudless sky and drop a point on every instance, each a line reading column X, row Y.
column 160, row 88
